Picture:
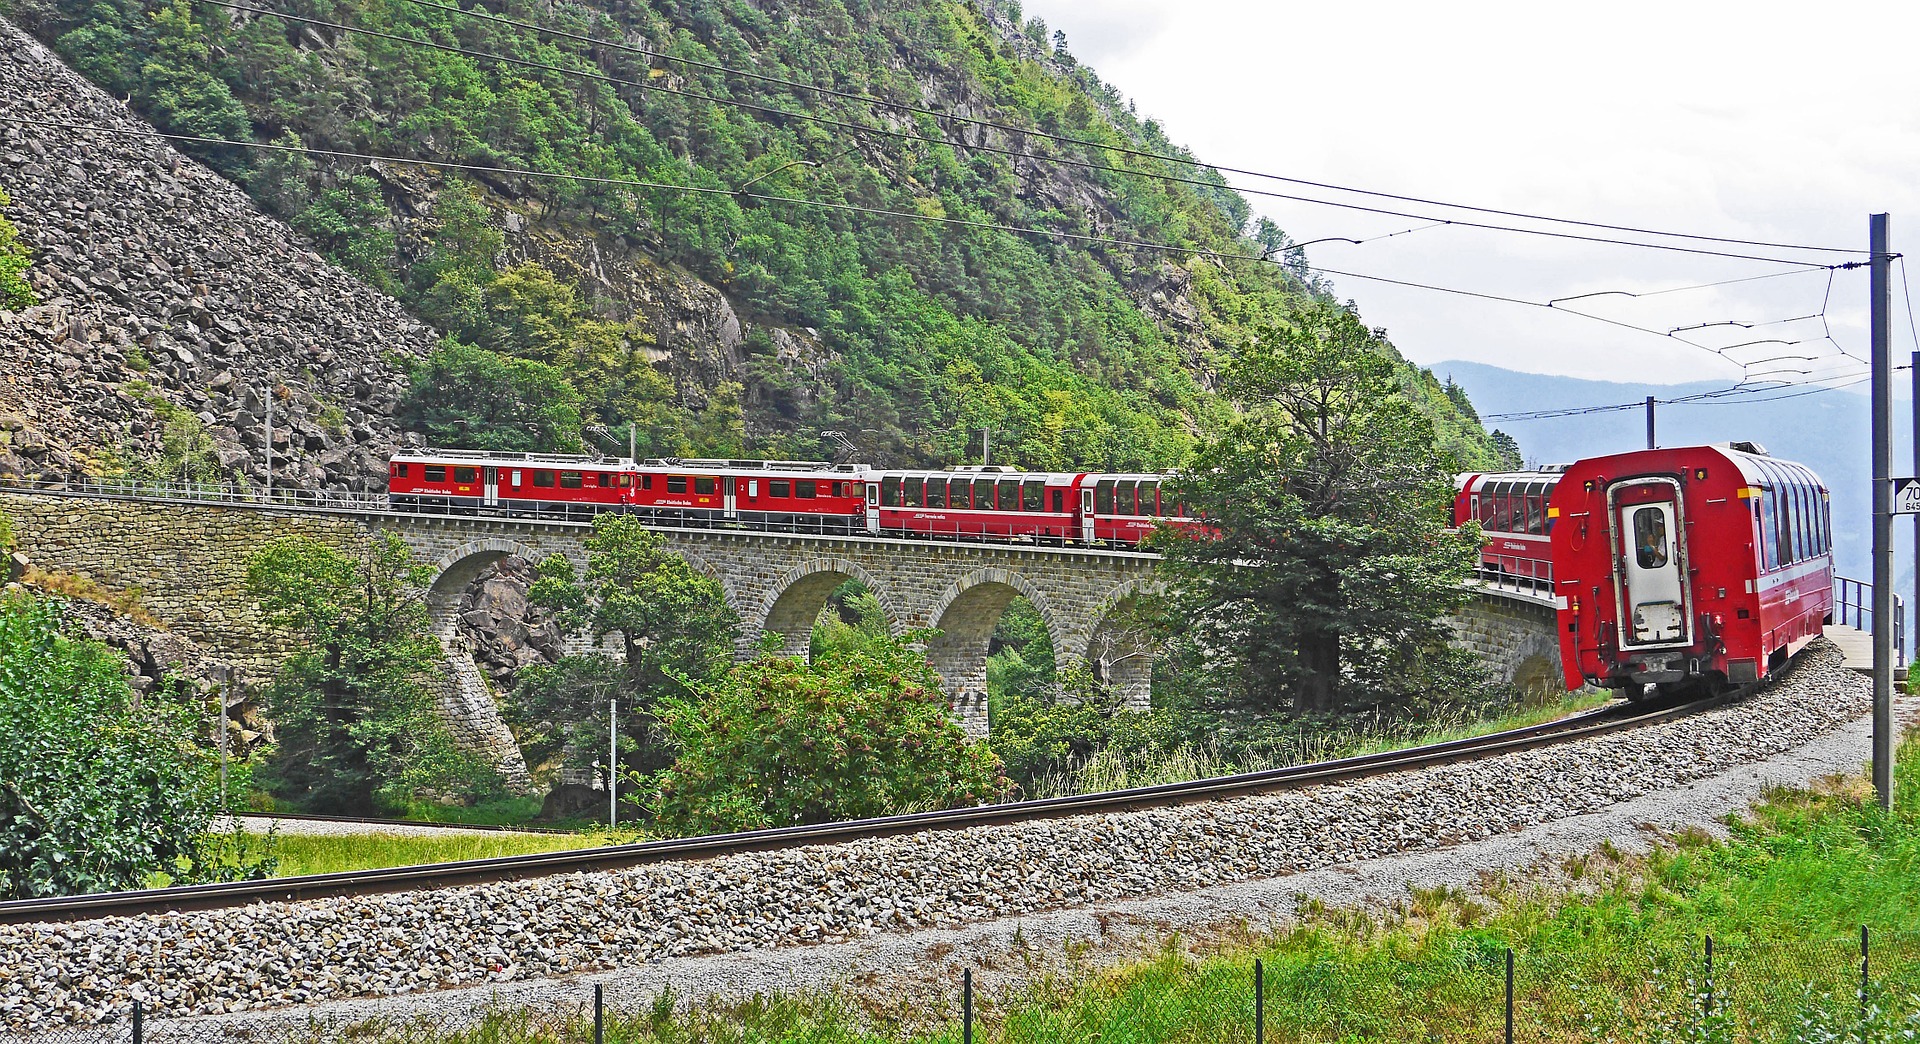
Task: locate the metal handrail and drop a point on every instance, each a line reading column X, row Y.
column 1853, row 607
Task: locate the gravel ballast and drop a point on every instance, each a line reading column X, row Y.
column 274, row 954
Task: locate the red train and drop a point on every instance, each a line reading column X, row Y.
column 980, row 503
column 1699, row 566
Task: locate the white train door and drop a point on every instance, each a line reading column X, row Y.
column 492, row 487
column 873, row 505
column 1650, row 569
column 730, row 486
column 1086, row 515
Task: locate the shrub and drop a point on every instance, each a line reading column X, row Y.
column 780, row 742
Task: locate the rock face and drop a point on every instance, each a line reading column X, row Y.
column 162, row 283
column 501, row 630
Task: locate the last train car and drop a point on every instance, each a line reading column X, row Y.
column 1699, row 566
column 1511, row 509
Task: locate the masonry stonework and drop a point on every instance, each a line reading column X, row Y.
column 1513, row 633
column 188, row 561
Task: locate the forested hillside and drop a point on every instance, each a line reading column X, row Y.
column 598, row 261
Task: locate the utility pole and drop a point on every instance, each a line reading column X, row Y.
column 1650, row 444
column 1880, row 324
column 269, row 440
column 1913, row 371
column 222, row 695
column 986, row 445
column 613, row 763
column 633, row 441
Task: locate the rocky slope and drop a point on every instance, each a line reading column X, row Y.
column 163, row 286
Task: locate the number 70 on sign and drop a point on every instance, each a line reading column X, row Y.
column 1906, row 496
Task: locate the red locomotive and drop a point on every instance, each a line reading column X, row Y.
column 985, row 503
column 1697, row 566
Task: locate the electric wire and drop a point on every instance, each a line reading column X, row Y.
column 908, row 136
column 951, row 117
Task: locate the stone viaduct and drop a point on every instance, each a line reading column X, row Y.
column 187, row 561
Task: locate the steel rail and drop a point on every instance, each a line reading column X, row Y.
column 1613, row 718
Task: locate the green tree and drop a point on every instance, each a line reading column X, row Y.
column 15, row 294
column 349, row 221
column 779, row 741
column 177, row 83
column 476, row 399
column 357, row 726
column 675, row 630
column 1327, row 570
column 99, row 788
column 1506, row 451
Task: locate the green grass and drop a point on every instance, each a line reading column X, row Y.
column 325, row 853
column 1118, row 770
column 1609, row 947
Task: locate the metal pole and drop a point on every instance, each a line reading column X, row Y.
column 986, row 445
column 139, row 1023
column 222, row 698
column 633, row 441
column 613, row 762
column 1913, row 371
column 1509, row 995
column 1881, row 325
column 269, row 440
column 1650, row 442
column 966, row 1007
column 1259, row 1003
column 599, row 1014
column 1863, row 967
column 1709, row 994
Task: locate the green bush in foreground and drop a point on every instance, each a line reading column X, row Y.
column 98, row 787
column 15, row 294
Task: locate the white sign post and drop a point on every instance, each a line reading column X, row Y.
column 1906, row 496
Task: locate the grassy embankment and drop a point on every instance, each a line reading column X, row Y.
column 1608, row 948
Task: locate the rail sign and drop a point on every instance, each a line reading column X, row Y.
column 1906, row 496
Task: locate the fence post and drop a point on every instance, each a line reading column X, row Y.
column 966, row 1007
column 599, row 1014
column 139, row 1023
column 1509, row 1037
column 1259, row 1002
column 1709, row 999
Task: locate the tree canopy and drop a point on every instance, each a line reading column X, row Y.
column 357, row 726
column 1326, row 570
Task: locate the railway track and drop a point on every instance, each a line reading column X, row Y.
column 1612, row 718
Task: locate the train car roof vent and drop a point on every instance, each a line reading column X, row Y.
column 1748, row 447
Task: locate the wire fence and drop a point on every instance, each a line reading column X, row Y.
column 1706, row 989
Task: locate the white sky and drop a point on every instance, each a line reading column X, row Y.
column 1754, row 120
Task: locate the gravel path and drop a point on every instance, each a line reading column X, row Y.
column 328, row 828
column 511, row 933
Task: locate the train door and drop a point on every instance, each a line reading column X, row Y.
column 492, row 487
column 1650, row 564
column 730, row 488
column 873, row 505
column 1086, row 515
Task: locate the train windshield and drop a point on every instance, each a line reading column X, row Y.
column 1650, row 537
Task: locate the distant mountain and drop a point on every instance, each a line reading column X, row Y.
column 1827, row 432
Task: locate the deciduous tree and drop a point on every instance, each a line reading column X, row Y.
column 1326, row 571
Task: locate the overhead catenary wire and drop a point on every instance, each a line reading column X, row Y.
column 603, row 77
column 1190, row 161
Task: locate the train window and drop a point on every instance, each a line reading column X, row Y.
column 466, row 476
column 1033, row 496
column 543, row 478
column 1150, row 498
column 804, row 490
column 914, row 492
column 937, row 493
column 1769, row 534
column 400, row 470
column 889, row 492
column 779, row 488
column 1103, row 497
column 1825, row 509
column 959, row 493
column 1483, row 509
column 839, row 489
column 1009, row 499
column 436, row 473
column 1503, row 511
column 626, row 481
column 570, row 480
column 983, row 494
column 1059, row 501
column 1123, row 497
column 676, row 483
column 515, row 483
column 646, row 482
column 1650, row 537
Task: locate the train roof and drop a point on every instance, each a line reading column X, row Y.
column 1756, row 467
